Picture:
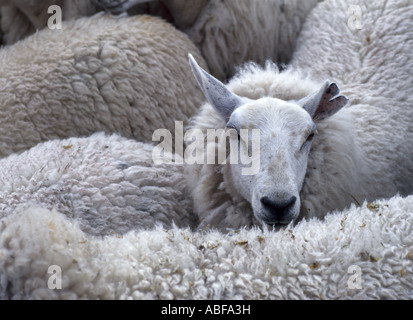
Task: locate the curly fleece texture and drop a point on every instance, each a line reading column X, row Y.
column 314, row 259
column 309, row 261
column 126, row 75
column 109, row 184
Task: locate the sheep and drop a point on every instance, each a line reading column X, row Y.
column 126, row 75
column 317, row 154
column 108, row 184
column 230, row 33
column 361, row 253
column 375, row 70
column 23, row 17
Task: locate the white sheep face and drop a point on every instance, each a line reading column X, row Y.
column 286, row 132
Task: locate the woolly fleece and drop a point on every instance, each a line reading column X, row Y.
column 126, row 75
column 309, row 261
column 373, row 67
column 230, row 33
column 109, row 184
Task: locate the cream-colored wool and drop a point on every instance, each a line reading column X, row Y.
column 109, row 184
column 362, row 152
column 126, row 75
column 363, row 252
column 232, row 32
column 373, row 65
column 360, row 253
column 228, row 33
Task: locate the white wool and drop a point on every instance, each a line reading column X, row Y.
column 359, row 153
column 372, row 66
column 109, row 184
column 126, row 75
column 313, row 260
column 230, row 33
column 360, row 253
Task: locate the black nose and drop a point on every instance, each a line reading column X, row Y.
column 278, row 209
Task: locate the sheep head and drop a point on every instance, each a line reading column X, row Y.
column 286, row 131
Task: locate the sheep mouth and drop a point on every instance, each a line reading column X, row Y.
column 272, row 222
column 277, row 225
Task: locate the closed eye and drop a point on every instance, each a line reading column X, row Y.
column 310, row 137
column 308, row 141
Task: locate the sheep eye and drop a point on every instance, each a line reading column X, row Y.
column 308, row 141
column 310, row 137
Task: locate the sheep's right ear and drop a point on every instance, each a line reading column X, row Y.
column 325, row 102
column 223, row 100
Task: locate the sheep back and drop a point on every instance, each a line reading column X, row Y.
column 230, row 33
column 108, row 184
column 126, row 75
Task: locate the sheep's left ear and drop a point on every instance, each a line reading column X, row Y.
column 325, row 102
column 222, row 99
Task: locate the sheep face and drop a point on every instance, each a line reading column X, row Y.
column 286, row 130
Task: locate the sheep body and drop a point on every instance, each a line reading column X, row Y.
column 126, row 75
column 360, row 253
column 373, row 66
column 359, row 153
column 228, row 33
column 109, row 184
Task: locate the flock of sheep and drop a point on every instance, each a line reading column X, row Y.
column 79, row 106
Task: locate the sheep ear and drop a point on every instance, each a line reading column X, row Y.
column 223, row 100
column 325, row 102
